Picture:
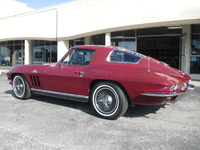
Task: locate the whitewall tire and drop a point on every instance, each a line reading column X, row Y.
column 108, row 100
column 21, row 87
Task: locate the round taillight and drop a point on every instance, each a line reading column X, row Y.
column 175, row 87
column 172, row 88
column 183, row 87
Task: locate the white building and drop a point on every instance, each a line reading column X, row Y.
column 12, row 7
column 167, row 30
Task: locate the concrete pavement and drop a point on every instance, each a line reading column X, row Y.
column 49, row 123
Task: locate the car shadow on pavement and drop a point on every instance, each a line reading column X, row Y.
column 132, row 112
column 10, row 92
column 84, row 107
column 142, row 110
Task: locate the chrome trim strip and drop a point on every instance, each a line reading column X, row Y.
column 160, row 95
column 74, row 97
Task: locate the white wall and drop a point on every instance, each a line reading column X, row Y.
column 100, row 16
column 87, row 17
column 63, row 48
column 12, row 7
column 37, row 25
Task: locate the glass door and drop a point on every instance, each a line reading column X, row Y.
column 18, row 47
column 19, row 56
column 195, row 55
column 195, row 52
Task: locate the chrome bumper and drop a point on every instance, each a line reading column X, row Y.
column 160, row 95
column 190, row 87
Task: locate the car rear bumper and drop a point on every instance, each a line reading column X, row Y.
column 190, row 87
column 160, row 95
column 160, row 98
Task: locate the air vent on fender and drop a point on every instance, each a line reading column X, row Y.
column 35, row 81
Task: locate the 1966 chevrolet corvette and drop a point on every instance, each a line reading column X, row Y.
column 110, row 78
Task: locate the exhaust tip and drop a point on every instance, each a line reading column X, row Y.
column 191, row 87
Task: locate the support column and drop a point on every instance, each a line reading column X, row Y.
column 63, row 48
column 13, row 58
column 108, row 39
column 87, row 40
column 28, row 52
column 186, row 48
column 0, row 55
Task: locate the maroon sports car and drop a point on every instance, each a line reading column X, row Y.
column 110, row 78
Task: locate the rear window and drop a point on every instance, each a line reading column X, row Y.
column 124, row 56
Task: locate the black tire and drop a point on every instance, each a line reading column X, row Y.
column 21, row 87
column 108, row 100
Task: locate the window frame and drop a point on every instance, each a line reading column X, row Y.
column 125, row 50
column 72, row 52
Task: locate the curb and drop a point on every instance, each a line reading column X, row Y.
column 195, row 83
column 3, row 71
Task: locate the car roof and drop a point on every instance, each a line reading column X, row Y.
column 96, row 47
column 104, row 48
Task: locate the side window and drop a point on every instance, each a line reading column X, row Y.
column 79, row 57
column 124, row 56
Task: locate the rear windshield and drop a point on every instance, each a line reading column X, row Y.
column 124, row 56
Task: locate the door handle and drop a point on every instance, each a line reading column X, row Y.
column 79, row 72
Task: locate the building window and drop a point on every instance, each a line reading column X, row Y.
column 76, row 42
column 149, row 32
column 124, row 39
column 98, row 39
column 5, row 54
column 12, row 53
column 44, row 52
column 195, row 50
column 162, row 43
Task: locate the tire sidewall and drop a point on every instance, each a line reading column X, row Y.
column 121, row 104
column 26, row 86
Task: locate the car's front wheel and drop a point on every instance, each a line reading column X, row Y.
column 21, row 87
column 108, row 100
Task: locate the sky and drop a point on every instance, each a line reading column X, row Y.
column 42, row 3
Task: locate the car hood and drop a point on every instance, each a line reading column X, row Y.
column 28, row 69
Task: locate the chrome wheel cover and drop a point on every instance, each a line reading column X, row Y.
column 105, row 100
column 19, row 86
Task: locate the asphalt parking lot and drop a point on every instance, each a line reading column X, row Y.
column 50, row 123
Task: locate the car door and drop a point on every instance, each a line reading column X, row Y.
column 69, row 76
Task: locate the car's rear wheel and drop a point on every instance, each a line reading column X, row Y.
column 21, row 87
column 108, row 100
